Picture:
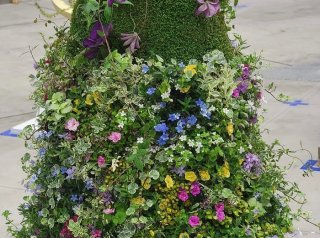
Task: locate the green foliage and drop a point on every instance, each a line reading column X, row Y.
column 167, row 28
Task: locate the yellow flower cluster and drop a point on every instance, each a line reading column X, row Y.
column 169, row 181
column 230, row 128
column 190, row 68
column 94, row 97
column 184, row 235
column 191, row 176
column 224, row 171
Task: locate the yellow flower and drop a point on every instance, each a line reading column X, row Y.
column 138, row 200
column 190, row 176
column 96, row 97
column 76, row 110
column 184, row 235
column 152, row 233
column 89, row 98
column 185, row 90
column 169, row 181
column 190, row 68
column 77, row 102
column 224, row 171
column 146, row 183
column 204, row 175
column 230, row 128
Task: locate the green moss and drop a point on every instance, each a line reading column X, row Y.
column 168, row 28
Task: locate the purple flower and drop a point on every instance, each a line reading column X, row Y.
column 195, row 189
column 220, row 211
column 42, row 152
column 151, row 91
column 63, row 170
column 132, row 40
column 245, row 72
column 174, row 116
column 179, row 170
column 111, row 2
column 107, row 198
column 162, row 127
column 208, row 8
column 194, row 221
column 252, row 164
column 70, row 172
column 97, row 37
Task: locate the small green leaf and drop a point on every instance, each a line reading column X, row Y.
column 107, row 13
column 154, row 174
column 132, row 188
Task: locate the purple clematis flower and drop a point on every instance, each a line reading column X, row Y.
column 98, row 36
column 111, row 2
column 208, row 8
column 132, row 40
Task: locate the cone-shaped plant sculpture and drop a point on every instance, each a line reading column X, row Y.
column 166, row 144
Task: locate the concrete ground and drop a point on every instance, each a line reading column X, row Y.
column 288, row 32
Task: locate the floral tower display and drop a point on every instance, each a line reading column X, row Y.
column 150, row 128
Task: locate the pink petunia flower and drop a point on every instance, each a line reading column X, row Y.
column 101, row 161
column 109, row 211
column 220, row 211
column 71, row 125
column 220, row 216
column 96, row 233
column 208, row 8
column 183, row 195
column 195, row 189
column 194, row 221
column 114, row 137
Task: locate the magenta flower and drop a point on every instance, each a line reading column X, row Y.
column 236, row 93
column 114, row 137
column 101, row 161
column 220, row 211
column 183, row 195
column 97, row 37
column 195, row 189
column 71, row 125
column 194, row 221
column 208, row 8
column 132, row 40
column 109, row 211
column 96, row 233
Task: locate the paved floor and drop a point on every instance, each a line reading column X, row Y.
column 288, row 31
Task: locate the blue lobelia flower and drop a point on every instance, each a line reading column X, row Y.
column 174, row 117
column 151, row 91
column 180, row 126
column 192, row 120
column 163, row 139
column 162, row 127
column 74, row 197
column 145, row 68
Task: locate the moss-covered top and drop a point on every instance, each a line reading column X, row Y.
column 168, row 28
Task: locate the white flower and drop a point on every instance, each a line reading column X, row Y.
column 140, row 105
column 154, row 149
column 122, row 113
column 225, row 110
column 250, row 146
column 198, row 126
column 199, row 146
column 114, row 165
column 140, row 140
column 191, row 143
column 156, row 107
column 241, row 150
column 183, row 138
column 121, row 125
column 170, row 159
column 166, row 94
column 212, row 109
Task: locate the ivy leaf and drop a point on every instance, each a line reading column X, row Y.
column 119, row 217
column 154, row 174
column 130, row 211
column 132, row 188
column 91, row 6
column 165, row 86
column 107, row 13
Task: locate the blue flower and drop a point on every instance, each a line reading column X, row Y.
column 89, row 184
column 63, row 170
column 180, row 126
column 151, row 91
column 162, row 104
column 203, row 108
column 163, row 139
column 162, row 127
column 145, row 68
column 205, row 113
column 200, row 103
column 55, row 172
column 74, row 197
column 174, row 116
column 192, row 120
column 70, row 172
column 40, row 214
column 42, row 152
column 33, row 178
column 181, row 65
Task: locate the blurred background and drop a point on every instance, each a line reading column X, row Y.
column 286, row 33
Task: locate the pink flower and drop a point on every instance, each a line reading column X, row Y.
column 71, row 125
column 96, row 233
column 220, row 211
column 114, row 137
column 236, row 93
column 220, row 216
column 194, row 221
column 109, row 210
column 208, row 8
column 101, row 161
column 195, row 189
column 183, row 195
column 219, row 207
